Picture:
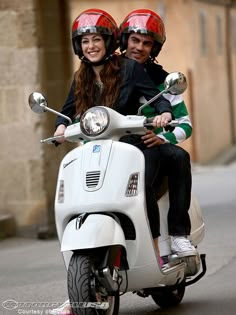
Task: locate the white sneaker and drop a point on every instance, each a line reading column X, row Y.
column 182, row 246
column 62, row 309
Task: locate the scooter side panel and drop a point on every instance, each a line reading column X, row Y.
column 197, row 223
column 151, row 277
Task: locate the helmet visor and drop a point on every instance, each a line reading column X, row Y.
column 93, row 23
column 145, row 24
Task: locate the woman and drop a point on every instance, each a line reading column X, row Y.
column 104, row 78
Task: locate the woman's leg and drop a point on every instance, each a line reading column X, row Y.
column 151, row 172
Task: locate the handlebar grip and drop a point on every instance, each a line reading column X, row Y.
column 52, row 140
column 170, row 126
column 173, row 123
column 149, row 120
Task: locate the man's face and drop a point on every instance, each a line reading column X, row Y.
column 139, row 47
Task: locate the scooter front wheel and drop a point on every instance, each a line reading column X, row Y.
column 87, row 296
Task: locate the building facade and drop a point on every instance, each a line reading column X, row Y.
column 36, row 55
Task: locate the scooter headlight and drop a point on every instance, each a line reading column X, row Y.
column 94, row 121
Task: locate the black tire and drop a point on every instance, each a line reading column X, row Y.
column 84, row 287
column 167, row 297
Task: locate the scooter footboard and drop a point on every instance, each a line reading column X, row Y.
column 97, row 230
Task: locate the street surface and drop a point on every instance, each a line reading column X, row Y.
column 32, row 270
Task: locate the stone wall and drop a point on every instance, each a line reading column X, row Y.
column 22, row 189
column 33, row 57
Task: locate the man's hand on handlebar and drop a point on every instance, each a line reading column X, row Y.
column 162, row 120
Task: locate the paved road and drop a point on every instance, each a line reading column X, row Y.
column 32, row 270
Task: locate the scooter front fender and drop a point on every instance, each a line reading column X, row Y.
column 97, row 230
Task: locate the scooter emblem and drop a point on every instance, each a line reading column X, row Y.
column 66, row 164
column 96, row 148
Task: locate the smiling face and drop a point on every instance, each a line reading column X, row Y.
column 139, row 47
column 93, row 47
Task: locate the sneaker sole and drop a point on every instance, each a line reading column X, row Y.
column 186, row 254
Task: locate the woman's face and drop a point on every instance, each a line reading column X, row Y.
column 93, row 47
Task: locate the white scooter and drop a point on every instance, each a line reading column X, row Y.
column 101, row 218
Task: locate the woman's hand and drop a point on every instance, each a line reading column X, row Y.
column 60, row 132
column 151, row 139
column 162, row 120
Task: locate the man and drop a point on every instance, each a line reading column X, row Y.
column 142, row 35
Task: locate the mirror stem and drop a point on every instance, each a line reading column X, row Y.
column 55, row 112
column 150, row 101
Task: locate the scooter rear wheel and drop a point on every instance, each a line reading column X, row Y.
column 84, row 287
column 169, row 297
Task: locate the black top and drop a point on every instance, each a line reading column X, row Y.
column 135, row 83
column 156, row 72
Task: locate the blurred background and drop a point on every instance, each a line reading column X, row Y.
column 36, row 55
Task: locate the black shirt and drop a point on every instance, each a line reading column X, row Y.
column 156, row 72
column 135, row 83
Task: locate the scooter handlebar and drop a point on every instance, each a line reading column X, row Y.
column 171, row 124
column 52, row 140
column 137, row 123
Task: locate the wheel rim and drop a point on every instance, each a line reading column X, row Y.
column 84, row 286
column 101, row 295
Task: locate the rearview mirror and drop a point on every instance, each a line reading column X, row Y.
column 37, row 102
column 175, row 83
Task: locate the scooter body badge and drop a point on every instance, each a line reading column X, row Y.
column 96, row 148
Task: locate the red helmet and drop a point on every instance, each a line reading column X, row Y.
column 146, row 22
column 95, row 21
